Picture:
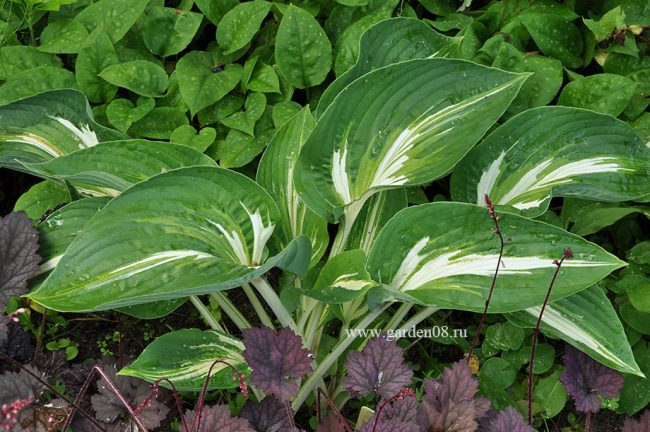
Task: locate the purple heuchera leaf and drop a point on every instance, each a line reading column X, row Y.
column 449, row 405
column 585, row 380
column 641, row 425
column 400, row 414
column 330, row 423
column 108, row 407
column 277, row 360
column 379, row 368
column 19, row 385
column 393, row 425
column 508, row 420
column 218, row 418
column 269, row 416
column 18, row 258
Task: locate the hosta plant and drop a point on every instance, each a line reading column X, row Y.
column 150, row 225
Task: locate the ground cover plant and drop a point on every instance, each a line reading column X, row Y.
column 281, row 192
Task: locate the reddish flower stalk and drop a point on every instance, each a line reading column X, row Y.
column 196, row 422
column 9, row 413
column 496, row 230
column 332, row 405
column 400, row 395
column 568, row 254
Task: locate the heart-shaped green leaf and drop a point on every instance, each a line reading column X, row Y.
column 245, row 121
column 445, row 254
column 96, row 55
column 187, row 135
column 140, row 76
column 168, row 31
column 122, row 113
column 186, row 232
column 115, row 17
column 65, row 36
column 237, row 28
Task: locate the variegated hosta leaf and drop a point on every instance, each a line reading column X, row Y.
column 378, row 210
column 275, row 174
column 444, row 254
column 47, row 126
column 404, row 124
column 391, row 41
column 186, row 232
column 587, row 321
column 185, row 356
column 62, row 227
column 342, row 279
column 555, row 151
column 111, row 167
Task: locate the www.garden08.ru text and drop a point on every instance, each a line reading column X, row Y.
column 412, row 333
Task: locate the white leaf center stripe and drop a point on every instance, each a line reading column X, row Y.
column 488, row 179
column 419, row 269
column 156, row 260
column 340, row 175
column 87, row 137
column 347, row 282
column 36, row 141
column 441, row 122
column 235, row 242
column 531, row 180
column 556, row 320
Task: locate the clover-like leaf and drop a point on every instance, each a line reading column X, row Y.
column 508, row 420
column 379, row 368
column 449, row 401
column 270, row 415
column 218, row 418
column 641, row 425
column 585, row 380
column 277, row 360
column 18, row 258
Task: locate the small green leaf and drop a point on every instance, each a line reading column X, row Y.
column 214, row 10
column 606, row 93
column 238, row 27
column 122, row 113
column 200, row 85
column 245, row 121
column 239, row 148
column 139, row 76
column 64, row 36
column 42, row 197
column 302, row 50
column 188, row 136
column 588, row 217
column 159, row 123
column 115, row 17
column 635, row 394
column 168, row 31
column 283, row 111
column 612, row 20
column 185, row 357
column 499, row 372
column 95, row 56
column 556, row 37
column 550, row 394
column 259, row 77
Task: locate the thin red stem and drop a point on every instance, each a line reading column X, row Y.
column 567, row 254
column 502, row 242
column 399, row 395
column 287, row 406
column 332, row 405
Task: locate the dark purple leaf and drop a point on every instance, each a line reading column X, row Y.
column 19, row 386
column 330, row 423
column 277, row 360
column 270, row 415
column 379, row 368
column 18, row 258
column 399, row 413
column 108, row 407
column 508, row 420
column 18, row 344
column 218, row 418
column 449, row 405
column 641, row 425
column 585, row 380
column 4, row 329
